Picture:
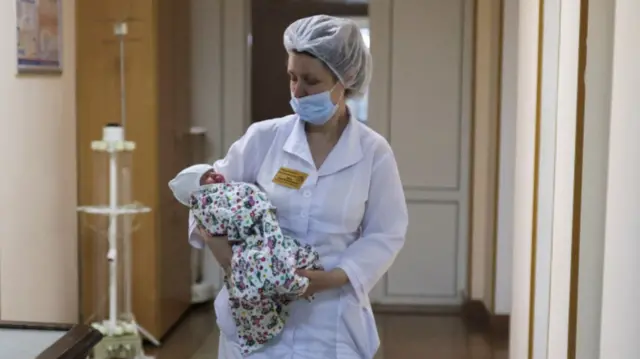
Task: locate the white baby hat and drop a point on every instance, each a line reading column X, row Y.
column 187, row 181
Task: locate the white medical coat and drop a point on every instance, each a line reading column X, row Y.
column 352, row 210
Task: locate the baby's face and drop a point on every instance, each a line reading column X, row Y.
column 211, row 177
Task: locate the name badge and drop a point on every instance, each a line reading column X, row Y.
column 290, row 178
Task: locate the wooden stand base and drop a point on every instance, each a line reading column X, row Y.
column 119, row 347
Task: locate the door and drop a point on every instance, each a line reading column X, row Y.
column 420, row 100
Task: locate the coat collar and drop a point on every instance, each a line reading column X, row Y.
column 346, row 152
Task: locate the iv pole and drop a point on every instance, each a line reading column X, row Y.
column 121, row 30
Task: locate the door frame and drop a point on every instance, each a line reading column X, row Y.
column 224, row 112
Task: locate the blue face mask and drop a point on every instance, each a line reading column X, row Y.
column 315, row 109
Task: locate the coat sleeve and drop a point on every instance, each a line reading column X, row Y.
column 241, row 164
column 384, row 228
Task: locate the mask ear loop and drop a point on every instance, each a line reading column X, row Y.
column 341, row 95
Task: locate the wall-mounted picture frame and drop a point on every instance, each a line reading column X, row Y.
column 39, row 36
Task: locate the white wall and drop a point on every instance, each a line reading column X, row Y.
column 546, row 150
column 594, row 177
column 621, row 278
column 524, row 184
column 508, row 113
column 38, row 226
column 596, row 132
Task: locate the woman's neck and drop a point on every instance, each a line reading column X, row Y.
column 334, row 127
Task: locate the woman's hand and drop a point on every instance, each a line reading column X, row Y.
column 219, row 246
column 320, row 280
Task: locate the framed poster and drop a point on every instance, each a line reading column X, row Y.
column 39, row 35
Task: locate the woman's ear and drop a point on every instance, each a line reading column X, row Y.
column 339, row 93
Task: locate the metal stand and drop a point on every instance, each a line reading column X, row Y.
column 121, row 331
column 121, row 30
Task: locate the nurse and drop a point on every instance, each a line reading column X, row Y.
column 336, row 186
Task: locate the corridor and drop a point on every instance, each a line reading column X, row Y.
column 403, row 336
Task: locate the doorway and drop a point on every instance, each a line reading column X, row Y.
column 419, row 100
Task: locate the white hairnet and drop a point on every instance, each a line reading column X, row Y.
column 338, row 43
column 187, row 181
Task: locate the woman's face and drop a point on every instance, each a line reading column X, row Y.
column 309, row 76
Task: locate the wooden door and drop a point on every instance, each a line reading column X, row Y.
column 98, row 103
column 157, row 93
column 173, row 155
column 420, row 100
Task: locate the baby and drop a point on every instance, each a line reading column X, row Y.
column 262, row 281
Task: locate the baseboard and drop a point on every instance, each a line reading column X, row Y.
column 479, row 318
column 57, row 327
column 76, row 343
column 202, row 292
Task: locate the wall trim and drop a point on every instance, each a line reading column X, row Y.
column 536, row 181
column 472, row 144
column 76, row 343
column 498, row 149
column 477, row 317
column 577, row 181
column 20, row 325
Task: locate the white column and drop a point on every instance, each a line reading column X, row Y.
column 506, row 191
column 621, row 282
column 545, row 157
column 564, row 178
column 526, row 128
column 594, row 176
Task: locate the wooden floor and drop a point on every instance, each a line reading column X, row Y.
column 402, row 335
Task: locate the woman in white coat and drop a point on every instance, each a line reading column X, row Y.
column 336, row 186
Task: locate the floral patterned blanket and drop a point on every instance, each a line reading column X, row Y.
column 262, row 281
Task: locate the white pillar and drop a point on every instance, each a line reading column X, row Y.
column 594, row 176
column 545, row 157
column 526, row 148
column 564, row 179
column 508, row 114
column 621, row 281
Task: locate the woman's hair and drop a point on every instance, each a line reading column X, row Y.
column 338, row 44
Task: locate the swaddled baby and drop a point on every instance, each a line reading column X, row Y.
column 262, row 280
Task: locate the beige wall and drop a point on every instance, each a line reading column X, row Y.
column 38, row 249
column 486, row 114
